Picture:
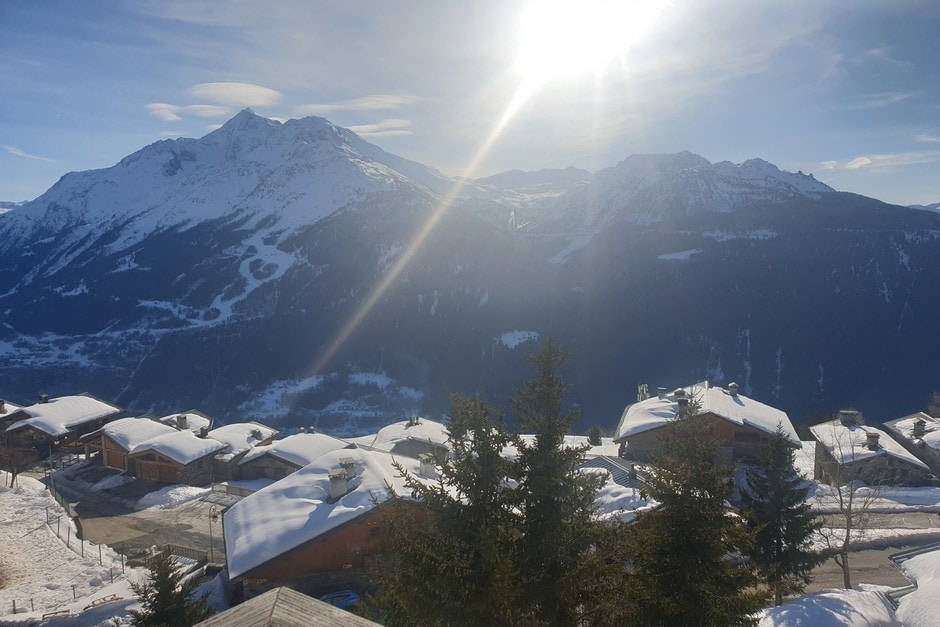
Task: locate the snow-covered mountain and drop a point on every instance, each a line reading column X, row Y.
column 931, row 207
column 231, row 273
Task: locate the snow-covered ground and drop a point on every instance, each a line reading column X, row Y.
column 44, row 572
column 42, row 568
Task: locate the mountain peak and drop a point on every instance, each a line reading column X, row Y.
column 247, row 120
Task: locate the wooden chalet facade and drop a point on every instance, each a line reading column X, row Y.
column 179, row 457
column 58, row 423
column 339, row 556
column 741, row 427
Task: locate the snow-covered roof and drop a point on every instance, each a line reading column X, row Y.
column 183, row 447
column 57, row 415
column 849, row 443
column 738, row 409
column 131, row 432
column 417, row 429
column 297, row 509
column 616, row 502
column 9, row 408
column 905, row 426
column 241, row 436
column 607, row 447
column 299, row 449
column 195, row 420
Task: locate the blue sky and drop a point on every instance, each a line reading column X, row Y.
column 847, row 90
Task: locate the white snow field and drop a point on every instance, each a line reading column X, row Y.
column 41, row 572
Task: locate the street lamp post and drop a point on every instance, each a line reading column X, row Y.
column 213, row 516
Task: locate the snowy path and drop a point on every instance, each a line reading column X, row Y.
column 40, row 573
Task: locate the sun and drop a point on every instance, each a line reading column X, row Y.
column 570, row 38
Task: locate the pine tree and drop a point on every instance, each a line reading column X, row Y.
column 167, row 598
column 776, row 511
column 556, row 502
column 685, row 570
column 456, row 566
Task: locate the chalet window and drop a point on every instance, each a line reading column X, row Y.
column 742, row 436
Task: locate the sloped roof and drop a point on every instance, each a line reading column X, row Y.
column 848, row 443
column 58, row 415
column 606, row 447
column 298, row 509
column 195, row 420
column 183, row 447
column 9, row 408
column 299, row 449
column 283, row 607
column 240, row 436
column 738, row 409
column 905, row 426
column 131, row 432
column 418, row 429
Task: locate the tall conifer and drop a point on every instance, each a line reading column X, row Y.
column 686, row 566
column 776, row 511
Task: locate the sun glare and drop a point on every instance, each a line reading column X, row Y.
column 570, row 38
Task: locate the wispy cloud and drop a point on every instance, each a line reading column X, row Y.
column 883, row 161
column 878, row 101
column 927, row 138
column 17, row 152
column 375, row 102
column 883, row 55
column 236, row 94
column 173, row 113
column 392, row 127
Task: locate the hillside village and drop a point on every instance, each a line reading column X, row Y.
column 306, row 508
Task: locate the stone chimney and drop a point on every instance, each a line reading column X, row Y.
column 338, row 483
column 661, row 393
column 204, row 432
column 428, row 467
column 349, row 466
column 182, row 422
column 872, row 440
column 43, row 398
column 256, row 434
column 733, row 388
column 919, row 425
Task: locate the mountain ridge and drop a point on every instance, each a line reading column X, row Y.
column 218, row 272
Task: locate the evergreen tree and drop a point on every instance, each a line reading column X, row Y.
column 456, row 566
column 166, row 598
column 595, row 436
column 556, row 502
column 776, row 511
column 685, row 570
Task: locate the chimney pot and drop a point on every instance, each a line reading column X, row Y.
column 43, row 398
column 733, row 388
column 872, row 441
column 181, row 422
column 919, row 426
column 256, row 434
column 338, row 483
column 428, row 467
column 661, row 392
